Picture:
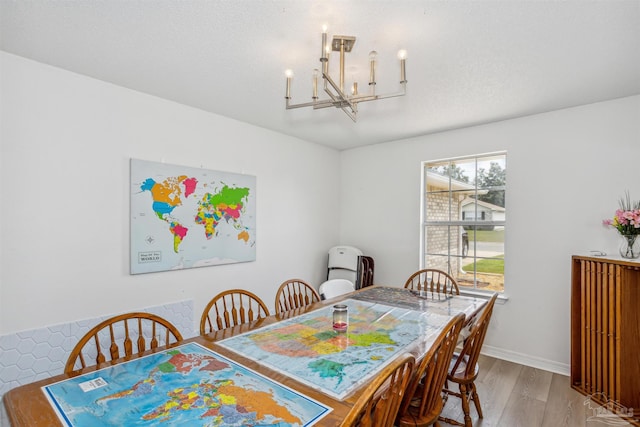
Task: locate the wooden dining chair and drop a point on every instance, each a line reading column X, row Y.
column 464, row 365
column 423, row 401
column 230, row 308
column 433, row 280
column 117, row 336
column 379, row 403
column 295, row 293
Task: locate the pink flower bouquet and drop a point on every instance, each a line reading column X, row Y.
column 627, row 218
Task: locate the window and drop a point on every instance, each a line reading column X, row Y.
column 464, row 219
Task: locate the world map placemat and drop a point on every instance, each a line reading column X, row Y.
column 186, row 385
column 307, row 349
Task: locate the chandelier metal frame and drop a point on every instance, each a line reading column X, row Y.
column 338, row 98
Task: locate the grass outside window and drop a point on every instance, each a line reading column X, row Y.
column 487, row 265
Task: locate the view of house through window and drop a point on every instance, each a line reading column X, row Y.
column 464, row 219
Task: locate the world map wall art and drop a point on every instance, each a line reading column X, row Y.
column 186, row 217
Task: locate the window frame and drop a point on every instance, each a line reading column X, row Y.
column 459, row 222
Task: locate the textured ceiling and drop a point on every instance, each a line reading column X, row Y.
column 469, row 62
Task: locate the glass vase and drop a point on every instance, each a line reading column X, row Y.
column 630, row 247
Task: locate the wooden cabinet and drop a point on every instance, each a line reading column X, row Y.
column 605, row 332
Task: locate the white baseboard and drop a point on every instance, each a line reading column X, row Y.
column 527, row 360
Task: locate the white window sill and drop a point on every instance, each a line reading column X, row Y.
column 502, row 297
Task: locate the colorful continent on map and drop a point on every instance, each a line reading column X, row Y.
column 217, row 400
column 166, row 197
column 227, row 204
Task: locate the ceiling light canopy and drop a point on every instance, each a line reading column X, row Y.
column 337, row 97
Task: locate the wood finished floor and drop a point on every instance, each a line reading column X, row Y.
column 514, row 395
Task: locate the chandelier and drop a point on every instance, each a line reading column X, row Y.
column 337, row 97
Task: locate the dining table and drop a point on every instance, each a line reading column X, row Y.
column 292, row 367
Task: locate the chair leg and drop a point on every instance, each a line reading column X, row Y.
column 447, row 392
column 465, row 405
column 450, row 421
column 476, row 399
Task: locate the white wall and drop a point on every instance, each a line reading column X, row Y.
column 566, row 171
column 66, row 141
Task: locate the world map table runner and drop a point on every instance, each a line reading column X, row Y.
column 431, row 302
column 185, row 385
column 307, row 349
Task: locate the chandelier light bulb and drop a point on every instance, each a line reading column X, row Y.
column 289, row 75
column 402, row 55
column 315, row 84
column 323, row 53
column 373, row 55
